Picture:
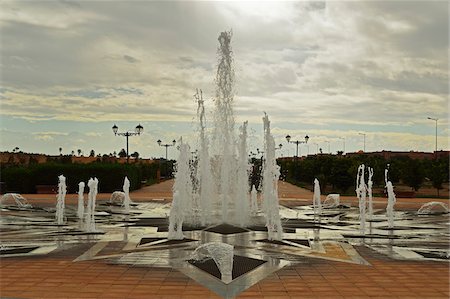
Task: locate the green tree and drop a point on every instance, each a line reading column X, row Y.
column 122, row 153
column 412, row 173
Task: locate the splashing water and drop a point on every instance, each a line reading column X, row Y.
column 80, row 211
column 369, row 192
column 361, row 191
column 316, row 198
column 332, row 201
column 182, row 194
column 60, row 205
column 433, row 207
column 241, row 199
column 18, row 199
column 89, row 221
column 221, row 253
column 204, row 173
column 254, row 200
column 391, row 201
column 271, row 173
column 126, row 191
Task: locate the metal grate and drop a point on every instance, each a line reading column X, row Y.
column 241, row 266
column 226, row 229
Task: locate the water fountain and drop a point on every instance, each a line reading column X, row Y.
column 361, row 191
column 369, row 192
column 182, row 194
column 254, row 200
column 391, row 200
column 221, row 253
column 433, row 208
column 126, row 191
column 60, row 205
column 332, row 200
column 80, row 211
column 18, row 199
column 271, row 173
column 90, row 209
column 221, row 193
column 316, row 198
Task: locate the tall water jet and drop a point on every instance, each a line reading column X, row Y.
column 126, row 190
column 182, row 194
column 254, row 200
column 60, row 205
column 316, row 198
column 391, row 200
column 90, row 209
column 271, row 173
column 80, row 210
column 204, row 174
column 241, row 203
column 224, row 139
column 361, row 190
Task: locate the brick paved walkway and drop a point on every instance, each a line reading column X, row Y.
column 57, row 276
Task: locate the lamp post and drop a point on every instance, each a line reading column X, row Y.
column 166, row 145
column 297, row 142
column 343, row 144
column 317, row 147
column 436, row 120
column 328, row 146
column 137, row 131
column 364, row 140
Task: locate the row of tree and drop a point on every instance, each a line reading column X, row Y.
column 339, row 172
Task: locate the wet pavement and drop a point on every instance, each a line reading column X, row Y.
column 129, row 256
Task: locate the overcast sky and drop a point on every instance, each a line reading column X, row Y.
column 71, row 69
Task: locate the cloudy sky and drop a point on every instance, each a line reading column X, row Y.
column 332, row 70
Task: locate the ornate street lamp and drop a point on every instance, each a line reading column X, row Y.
column 137, row 131
column 297, row 142
column 166, row 145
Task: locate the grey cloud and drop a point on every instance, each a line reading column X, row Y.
column 130, row 59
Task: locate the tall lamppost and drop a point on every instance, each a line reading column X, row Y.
column 166, row 145
column 328, row 146
column 297, row 142
column 137, row 131
column 317, row 147
column 364, row 135
column 343, row 143
column 436, row 120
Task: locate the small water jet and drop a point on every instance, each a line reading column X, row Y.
column 117, row 198
column 369, row 192
column 433, row 208
column 361, row 191
column 332, row 201
column 221, row 253
column 316, row 198
column 80, row 210
column 89, row 221
column 60, row 204
column 254, row 200
column 182, row 194
column 15, row 198
column 391, row 200
column 126, row 191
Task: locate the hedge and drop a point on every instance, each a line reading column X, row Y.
column 111, row 176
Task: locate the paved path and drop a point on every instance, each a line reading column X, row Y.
column 57, row 276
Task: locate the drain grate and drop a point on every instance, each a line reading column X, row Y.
column 226, row 229
column 167, row 242
column 241, row 266
column 303, row 242
column 17, row 250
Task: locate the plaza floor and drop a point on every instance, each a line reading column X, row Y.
column 62, row 274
